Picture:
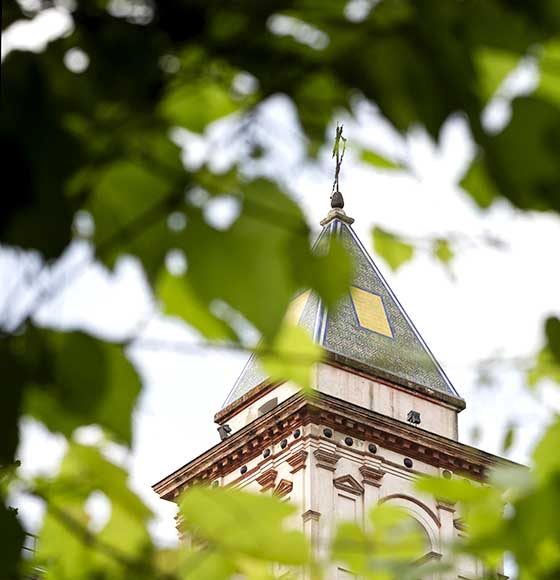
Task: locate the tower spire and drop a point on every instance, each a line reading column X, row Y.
column 337, row 201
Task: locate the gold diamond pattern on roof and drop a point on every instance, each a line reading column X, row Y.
column 295, row 309
column 370, row 311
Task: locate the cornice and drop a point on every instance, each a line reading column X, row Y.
column 326, row 459
column 353, row 420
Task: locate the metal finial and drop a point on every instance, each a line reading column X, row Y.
column 337, row 201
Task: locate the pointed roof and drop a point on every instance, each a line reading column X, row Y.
column 369, row 330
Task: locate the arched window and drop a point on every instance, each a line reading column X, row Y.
column 424, row 520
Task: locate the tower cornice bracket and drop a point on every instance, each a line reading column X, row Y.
column 267, row 479
column 311, row 515
column 297, row 460
column 371, row 475
column 326, row 459
column 283, row 488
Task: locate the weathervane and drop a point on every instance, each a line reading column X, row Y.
column 337, row 201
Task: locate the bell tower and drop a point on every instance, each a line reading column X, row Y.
column 385, row 412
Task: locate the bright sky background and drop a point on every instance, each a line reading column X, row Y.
column 490, row 306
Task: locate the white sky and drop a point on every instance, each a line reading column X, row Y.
column 493, row 305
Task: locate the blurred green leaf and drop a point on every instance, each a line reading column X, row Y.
column 481, row 506
column 545, row 455
column 509, row 437
column 283, row 264
column 443, row 251
column 329, row 270
column 129, row 206
column 12, row 536
column 516, row 480
column 387, row 548
column 194, row 106
column 545, row 367
column 523, row 157
column 204, row 564
column 552, row 330
column 391, row 248
column 74, row 379
column 493, row 65
column 373, row 158
column 212, row 514
column 179, row 300
column 292, row 356
column 15, row 372
column 549, row 77
column 68, row 547
column 478, row 184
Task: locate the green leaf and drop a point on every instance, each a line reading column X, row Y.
column 204, row 564
column 329, row 271
column 545, row 367
column 67, row 546
column 179, row 300
column 481, row 506
column 12, row 536
column 521, row 159
column 549, row 77
column 552, row 330
column 39, row 157
column 517, row 480
column 391, row 248
column 15, row 372
column 373, row 158
column 442, row 251
column 453, row 490
column 387, row 548
column 243, row 524
column 509, row 438
column 317, row 97
column 493, row 65
column 129, row 206
column 196, row 105
column 74, row 379
column 479, row 185
column 292, row 356
column 224, row 265
column 545, row 455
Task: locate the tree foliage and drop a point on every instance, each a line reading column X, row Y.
column 98, row 143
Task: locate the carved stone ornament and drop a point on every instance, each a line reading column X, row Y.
column 267, row 479
column 311, row 515
column 283, row 488
column 371, row 475
column 297, row 460
column 349, row 484
column 326, row 459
